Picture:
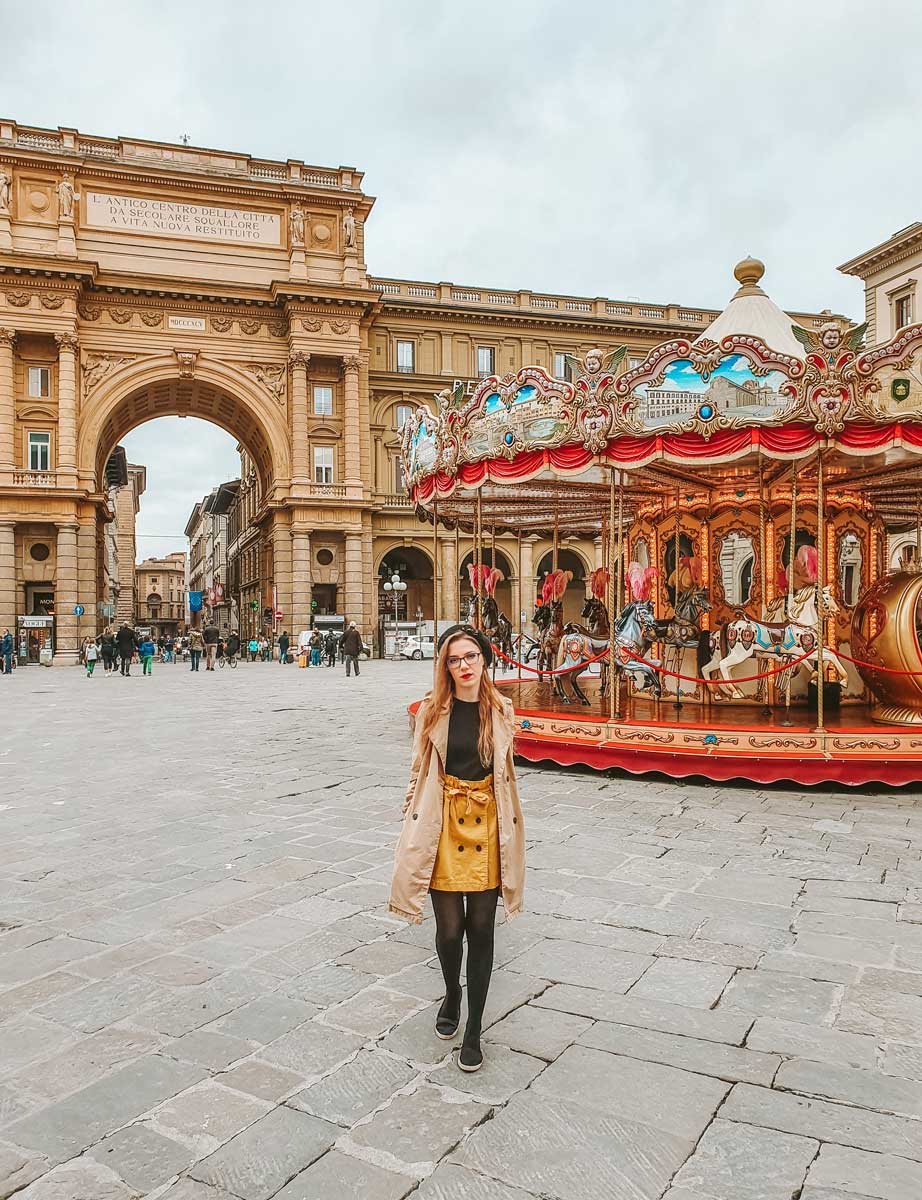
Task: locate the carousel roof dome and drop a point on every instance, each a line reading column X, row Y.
column 752, row 311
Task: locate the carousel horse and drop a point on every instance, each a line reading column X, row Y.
column 634, row 635
column 495, row 624
column 595, row 611
column 787, row 639
column 548, row 619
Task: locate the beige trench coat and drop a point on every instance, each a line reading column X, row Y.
column 418, row 844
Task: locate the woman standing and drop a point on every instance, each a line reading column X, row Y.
column 463, row 837
column 109, row 650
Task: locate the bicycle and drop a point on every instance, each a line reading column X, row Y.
column 230, row 659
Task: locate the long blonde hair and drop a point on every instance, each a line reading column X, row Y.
column 442, row 697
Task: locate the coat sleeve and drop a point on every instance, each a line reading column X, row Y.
column 417, row 756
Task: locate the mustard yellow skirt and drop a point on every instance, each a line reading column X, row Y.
column 468, row 855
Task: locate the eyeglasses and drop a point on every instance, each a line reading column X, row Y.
column 470, row 658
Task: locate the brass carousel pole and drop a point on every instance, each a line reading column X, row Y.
column 820, row 583
column 763, row 577
column 521, row 603
column 479, row 558
column 919, row 531
column 556, row 535
column 792, row 532
column 493, row 568
column 675, row 604
column 616, row 574
column 435, row 578
column 458, row 566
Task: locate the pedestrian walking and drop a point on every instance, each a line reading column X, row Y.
column 330, row 646
column 108, row 649
column 232, row 645
column 196, row 647
column 253, row 648
column 125, row 641
column 168, row 648
column 316, row 647
column 463, row 836
column 90, row 655
column 352, row 646
column 6, row 652
column 284, row 643
column 146, row 652
column 210, row 635
column 265, row 648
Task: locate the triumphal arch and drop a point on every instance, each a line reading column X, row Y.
column 139, row 280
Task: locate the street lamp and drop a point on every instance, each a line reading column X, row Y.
column 394, row 586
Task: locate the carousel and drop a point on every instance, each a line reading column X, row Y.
column 744, row 486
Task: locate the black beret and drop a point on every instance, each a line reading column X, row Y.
column 469, row 631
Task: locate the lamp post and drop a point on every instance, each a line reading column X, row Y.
column 394, row 586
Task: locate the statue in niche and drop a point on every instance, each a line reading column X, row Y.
column 349, row 229
column 296, row 225
column 5, row 186
column 65, row 198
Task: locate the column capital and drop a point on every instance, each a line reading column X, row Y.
column 351, row 363
column 66, row 341
column 7, row 337
column 6, row 526
column 299, row 358
column 67, row 526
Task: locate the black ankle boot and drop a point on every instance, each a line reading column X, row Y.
column 449, row 1016
column 471, row 1056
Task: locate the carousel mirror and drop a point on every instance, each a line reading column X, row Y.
column 850, row 569
column 737, row 559
column 684, row 574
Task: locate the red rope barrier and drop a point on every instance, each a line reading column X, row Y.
column 663, row 671
column 719, row 679
column 859, row 662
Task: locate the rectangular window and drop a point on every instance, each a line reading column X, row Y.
column 402, row 414
column 399, row 478
column 634, row 361
column 39, row 451
column 561, row 368
column 323, row 400
column 39, row 381
column 406, row 357
column 903, row 311
column 323, row 464
column 486, row 361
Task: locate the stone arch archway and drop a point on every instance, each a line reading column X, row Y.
column 414, row 565
column 161, row 387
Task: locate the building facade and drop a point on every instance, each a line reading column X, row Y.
column 206, row 530
column 160, row 589
column 141, row 279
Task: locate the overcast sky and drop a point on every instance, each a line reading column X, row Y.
column 625, row 149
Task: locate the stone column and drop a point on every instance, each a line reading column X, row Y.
column 7, row 406
column 87, row 569
column 527, row 577
column 281, row 567
column 448, row 600
column 370, row 586
column 351, row 420
column 65, row 594
column 299, row 361
column 8, row 605
column 352, row 606
column 301, row 580
column 67, row 406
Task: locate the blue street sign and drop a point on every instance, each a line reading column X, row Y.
column 79, row 610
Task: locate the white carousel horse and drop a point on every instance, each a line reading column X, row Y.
column 745, row 637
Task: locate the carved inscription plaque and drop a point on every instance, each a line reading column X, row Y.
column 173, row 218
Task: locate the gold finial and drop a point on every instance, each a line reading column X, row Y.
column 748, row 272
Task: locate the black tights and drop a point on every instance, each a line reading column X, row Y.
column 452, row 922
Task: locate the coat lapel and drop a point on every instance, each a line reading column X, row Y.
column 438, row 735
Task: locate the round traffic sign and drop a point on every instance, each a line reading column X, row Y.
column 279, row 614
column 79, row 610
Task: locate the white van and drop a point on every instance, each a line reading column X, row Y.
column 418, row 647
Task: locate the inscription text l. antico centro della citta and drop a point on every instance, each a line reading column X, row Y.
column 143, row 215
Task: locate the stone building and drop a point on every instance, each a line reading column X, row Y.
column 142, row 279
column 160, row 589
column 206, row 530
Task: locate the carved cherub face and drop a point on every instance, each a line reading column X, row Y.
column 830, row 336
column 594, row 362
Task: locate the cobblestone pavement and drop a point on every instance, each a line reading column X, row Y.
column 715, row 994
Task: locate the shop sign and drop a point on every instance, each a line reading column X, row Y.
column 35, row 622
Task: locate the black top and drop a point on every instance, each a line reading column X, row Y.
column 463, row 759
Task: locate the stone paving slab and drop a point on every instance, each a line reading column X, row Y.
column 715, row 992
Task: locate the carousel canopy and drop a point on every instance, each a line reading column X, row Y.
column 752, row 311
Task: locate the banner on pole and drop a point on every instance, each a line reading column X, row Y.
column 195, row 602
